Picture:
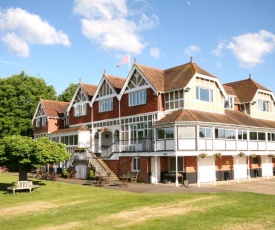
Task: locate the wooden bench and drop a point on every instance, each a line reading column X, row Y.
column 23, row 185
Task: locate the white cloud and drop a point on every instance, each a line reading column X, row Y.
column 192, row 50
column 250, row 48
column 24, row 29
column 218, row 52
column 107, row 23
column 155, row 52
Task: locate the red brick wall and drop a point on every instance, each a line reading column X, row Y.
column 51, row 126
column 125, row 166
column 190, row 164
column 150, row 106
column 97, row 116
column 225, row 163
column 164, row 164
column 113, row 165
column 82, row 119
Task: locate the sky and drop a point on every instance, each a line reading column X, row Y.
column 65, row 41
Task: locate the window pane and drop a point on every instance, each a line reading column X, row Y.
column 169, row 132
column 261, row 136
column 202, row 133
column 253, row 135
column 160, row 134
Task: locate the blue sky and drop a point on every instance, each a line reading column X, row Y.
column 65, row 40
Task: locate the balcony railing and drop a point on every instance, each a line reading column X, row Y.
column 143, row 145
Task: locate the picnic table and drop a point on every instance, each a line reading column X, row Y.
column 124, row 179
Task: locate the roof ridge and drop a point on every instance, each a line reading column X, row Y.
column 148, row 67
column 191, row 115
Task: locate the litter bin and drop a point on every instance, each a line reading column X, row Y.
column 227, row 176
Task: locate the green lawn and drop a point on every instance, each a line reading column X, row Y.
column 58, row 205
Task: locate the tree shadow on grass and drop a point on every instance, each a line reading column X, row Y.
column 4, row 186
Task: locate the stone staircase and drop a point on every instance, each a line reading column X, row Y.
column 100, row 166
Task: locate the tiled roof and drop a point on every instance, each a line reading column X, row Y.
column 246, row 89
column 231, row 117
column 116, row 82
column 88, row 89
column 153, row 75
column 54, row 108
column 71, row 129
column 174, row 78
column 230, row 91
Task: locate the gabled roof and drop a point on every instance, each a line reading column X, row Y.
column 230, row 91
column 116, row 82
column 231, row 117
column 70, row 130
column 88, row 89
column 173, row 78
column 54, row 108
column 246, row 89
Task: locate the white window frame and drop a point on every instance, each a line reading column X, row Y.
column 80, row 110
column 199, row 94
column 106, row 105
column 205, row 130
column 264, row 105
column 44, row 121
column 137, row 98
column 186, row 132
column 37, row 122
column 135, row 164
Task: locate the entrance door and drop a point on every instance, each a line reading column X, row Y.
column 240, row 168
column 81, row 172
column 206, row 169
column 155, row 170
column 266, row 166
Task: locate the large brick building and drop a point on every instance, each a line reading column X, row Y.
column 176, row 124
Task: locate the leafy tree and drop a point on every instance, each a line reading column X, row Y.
column 68, row 93
column 19, row 96
column 25, row 152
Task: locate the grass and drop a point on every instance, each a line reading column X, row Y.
column 58, row 205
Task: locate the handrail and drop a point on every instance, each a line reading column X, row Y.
column 93, row 156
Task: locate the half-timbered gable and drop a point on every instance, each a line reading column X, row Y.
column 48, row 117
column 105, row 102
column 79, row 110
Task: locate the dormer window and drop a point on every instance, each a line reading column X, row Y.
column 229, row 104
column 204, row 94
column 264, row 105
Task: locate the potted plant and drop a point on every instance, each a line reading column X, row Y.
column 241, row 154
column 218, row 156
column 253, row 155
column 202, row 155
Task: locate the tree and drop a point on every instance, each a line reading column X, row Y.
column 68, row 93
column 19, row 96
column 26, row 152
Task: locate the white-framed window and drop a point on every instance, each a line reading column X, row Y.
column 137, row 98
column 225, row 133
column 174, row 99
column 37, row 122
column 229, row 104
column 80, row 110
column 271, row 136
column 186, row 132
column 135, row 164
column 106, row 105
column 264, row 105
column 205, row 133
column 204, row 94
column 165, row 133
column 44, row 121
column 242, row 135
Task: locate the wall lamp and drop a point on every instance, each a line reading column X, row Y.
column 187, row 89
column 253, row 103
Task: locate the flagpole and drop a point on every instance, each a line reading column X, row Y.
column 129, row 62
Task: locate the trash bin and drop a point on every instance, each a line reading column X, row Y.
column 227, row 176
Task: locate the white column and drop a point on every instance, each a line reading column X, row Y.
column 198, row 166
column 156, row 170
column 176, row 150
column 248, row 166
column 267, row 167
column 238, row 177
column 214, row 171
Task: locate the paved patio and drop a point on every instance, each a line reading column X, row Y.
column 256, row 185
